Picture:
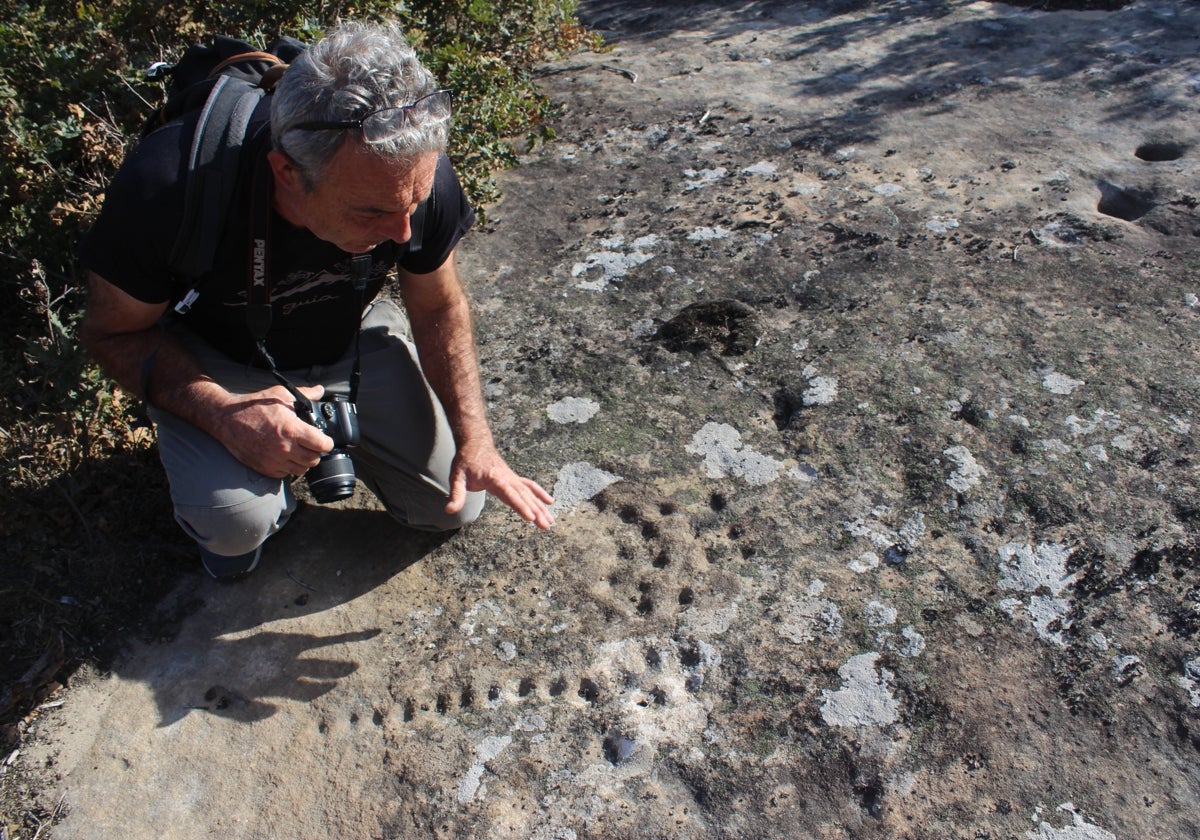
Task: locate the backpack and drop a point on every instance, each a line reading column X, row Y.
column 224, row 81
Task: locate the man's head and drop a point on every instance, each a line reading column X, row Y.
column 358, row 72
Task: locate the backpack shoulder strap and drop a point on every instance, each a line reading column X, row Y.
column 212, row 171
column 417, row 221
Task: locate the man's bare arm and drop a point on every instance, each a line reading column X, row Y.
column 441, row 322
column 261, row 430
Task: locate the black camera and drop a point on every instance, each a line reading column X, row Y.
column 333, row 476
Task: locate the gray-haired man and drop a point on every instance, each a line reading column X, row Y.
column 333, row 168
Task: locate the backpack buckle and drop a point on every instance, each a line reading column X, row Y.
column 158, row 71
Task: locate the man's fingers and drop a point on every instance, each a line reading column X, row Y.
column 530, row 501
column 539, row 491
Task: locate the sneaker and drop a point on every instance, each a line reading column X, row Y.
column 229, row 569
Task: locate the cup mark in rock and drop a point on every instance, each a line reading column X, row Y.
column 1160, row 152
column 1122, row 203
column 588, row 690
column 618, row 748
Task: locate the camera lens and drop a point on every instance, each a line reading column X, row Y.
column 332, row 478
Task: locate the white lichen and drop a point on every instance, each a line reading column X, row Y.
column 879, row 614
column 1080, row 829
column 577, row 483
column 487, row 750
column 1059, row 383
column 614, row 264
column 865, row 698
column 1027, row 569
column 941, row 224
column 573, row 410
column 801, row 618
column 864, row 562
column 698, row 178
column 1190, row 681
column 708, row 234
column 724, row 456
column 967, row 472
column 1042, row 572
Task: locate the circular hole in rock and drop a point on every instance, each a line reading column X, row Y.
column 1121, row 203
column 1158, row 152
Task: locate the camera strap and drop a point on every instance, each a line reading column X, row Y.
column 259, row 312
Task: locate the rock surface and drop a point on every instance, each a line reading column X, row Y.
column 860, row 340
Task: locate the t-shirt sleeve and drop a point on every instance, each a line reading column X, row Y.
column 448, row 216
column 129, row 245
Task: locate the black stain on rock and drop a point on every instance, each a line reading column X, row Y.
column 690, row 656
column 728, row 327
column 974, row 413
column 1042, row 505
column 789, row 404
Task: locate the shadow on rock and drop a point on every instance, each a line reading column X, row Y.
column 920, row 66
column 286, row 632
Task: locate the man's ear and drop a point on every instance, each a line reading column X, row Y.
column 287, row 174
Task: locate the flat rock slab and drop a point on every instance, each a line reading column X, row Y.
column 860, row 341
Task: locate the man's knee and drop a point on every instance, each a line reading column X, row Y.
column 430, row 514
column 234, row 529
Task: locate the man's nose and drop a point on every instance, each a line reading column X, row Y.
column 396, row 227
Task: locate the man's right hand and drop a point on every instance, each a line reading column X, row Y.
column 263, row 431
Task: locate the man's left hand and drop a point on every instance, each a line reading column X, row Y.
column 486, row 470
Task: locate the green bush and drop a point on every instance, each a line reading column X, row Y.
column 87, row 529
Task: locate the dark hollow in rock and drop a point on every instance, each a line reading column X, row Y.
column 588, row 690
column 1121, row 203
column 870, row 796
column 728, row 326
column 1158, row 152
column 618, row 748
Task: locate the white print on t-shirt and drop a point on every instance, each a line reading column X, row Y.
column 289, row 308
column 300, row 283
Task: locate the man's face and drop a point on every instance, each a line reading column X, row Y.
column 361, row 199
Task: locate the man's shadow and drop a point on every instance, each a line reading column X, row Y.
column 236, row 650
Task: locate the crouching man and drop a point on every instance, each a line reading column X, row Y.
column 338, row 166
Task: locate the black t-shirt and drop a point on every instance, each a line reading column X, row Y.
column 316, row 310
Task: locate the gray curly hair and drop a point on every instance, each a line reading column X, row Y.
column 355, row 69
